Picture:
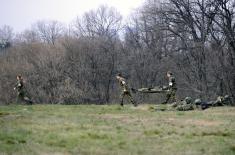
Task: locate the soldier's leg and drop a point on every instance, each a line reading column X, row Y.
column 20, row 98
column 185, row 107
column 131, row 99
column 121, row 98
column 168, row 96
column 17, row 99
column 173, row 96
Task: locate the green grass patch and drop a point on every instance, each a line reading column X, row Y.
column 112, row 129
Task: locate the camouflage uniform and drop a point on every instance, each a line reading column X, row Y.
column 20, row 92
column 184, row 105
column 220, row 101
column 19, row 87
column 171, row 90
column 187, row 104
column 199, row 104
column 125, row 92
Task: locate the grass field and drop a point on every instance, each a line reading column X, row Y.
column 113, row 130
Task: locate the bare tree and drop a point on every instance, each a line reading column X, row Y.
column 225, row 27
column 105, row 21
column 49, row 31
column 6, row 36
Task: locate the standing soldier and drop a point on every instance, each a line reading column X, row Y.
column 125, row 90
column 171, row 88
column 19, row 87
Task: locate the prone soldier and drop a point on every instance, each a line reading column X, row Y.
column 185, row 105
column 220, row 101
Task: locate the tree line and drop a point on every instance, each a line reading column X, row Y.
column 195, row 39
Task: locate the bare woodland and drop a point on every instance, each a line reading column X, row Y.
column 195, row 39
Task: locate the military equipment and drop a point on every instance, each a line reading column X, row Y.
column 151, row 90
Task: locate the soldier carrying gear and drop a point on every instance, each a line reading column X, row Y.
column 171, row 88
column 125, row 90
column 19, row 87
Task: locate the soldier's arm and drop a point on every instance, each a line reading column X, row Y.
column 16, row 86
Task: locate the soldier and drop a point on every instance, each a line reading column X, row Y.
column 199, row 104
column 227, row 100
column 220, row 101
column 125, row 90
column 19, row 87
column 185, row 105
column 171, row 88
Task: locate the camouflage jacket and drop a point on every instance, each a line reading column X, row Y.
column 124, row 85
column 19, row 85
column 172, row 83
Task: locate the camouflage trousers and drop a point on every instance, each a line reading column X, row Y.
column 185, row 107
column 171, row 96
column 128, row 94
column 21, row 98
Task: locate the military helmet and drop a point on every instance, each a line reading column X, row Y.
column 188, row 100
column 198, row 101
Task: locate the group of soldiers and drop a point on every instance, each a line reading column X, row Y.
column 170, row 91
